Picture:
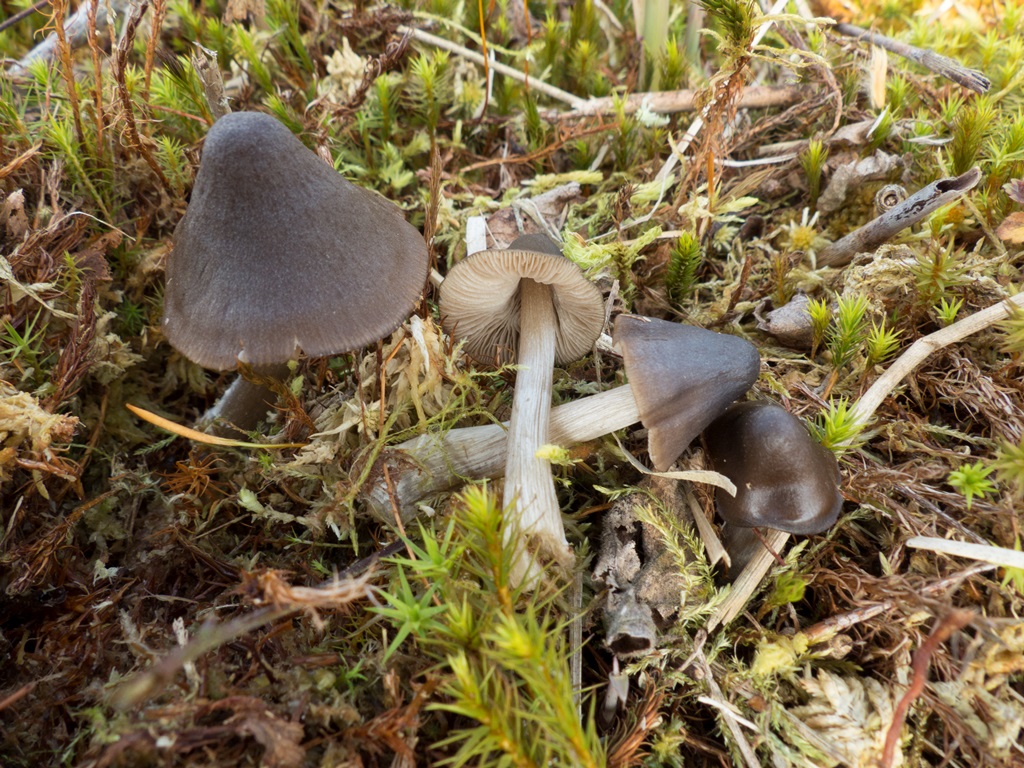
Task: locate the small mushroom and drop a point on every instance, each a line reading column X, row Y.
column 690, row 380
column 784, row 478
column 531, row 304
column 277, row 252
column 682, row 378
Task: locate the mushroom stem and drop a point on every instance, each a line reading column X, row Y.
column 244, row 403
column 529, row 487
column 435, row 463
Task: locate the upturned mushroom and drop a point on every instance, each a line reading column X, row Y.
column 784, row 478
column 530, row 304
column 278, row 253
column 680, row 378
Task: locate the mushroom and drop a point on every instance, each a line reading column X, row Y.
column 277, row 252
column 682, row 378
column 682, row 374
column 784, row 478
column 532, row 304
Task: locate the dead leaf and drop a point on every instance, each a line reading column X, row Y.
column 13, row 215
column 1012, row 228
column 1015, row 190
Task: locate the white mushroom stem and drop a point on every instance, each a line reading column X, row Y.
column 243, row 404
column 435, row 463
column 529, row 496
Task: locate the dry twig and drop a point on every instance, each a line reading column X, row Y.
column 941, row 65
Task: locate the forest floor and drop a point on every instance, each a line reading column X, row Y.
column 167, row 601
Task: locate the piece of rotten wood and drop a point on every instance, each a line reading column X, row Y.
column 912, row 210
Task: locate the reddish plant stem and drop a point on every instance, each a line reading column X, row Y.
column 953, row 621
column 159, row 12
column 97, row 68
column 123, row 47
column 64, row 51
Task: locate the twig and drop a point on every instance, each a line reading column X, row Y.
column 476, row 58
column 731, row 720
column 955, row 620
column 23, row 14
column 833, row 625
column 17, row 696
column 920, row 350
column 941, row 65
column 907, row 213
column 668, row 102
column 75, row 27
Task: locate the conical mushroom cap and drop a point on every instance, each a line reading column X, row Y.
column 682, row 377
column 784, row 478
column 277, row 251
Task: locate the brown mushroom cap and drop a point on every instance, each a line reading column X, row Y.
column 479, row 300
column 277, row 252
column 784, row 478
column 682, row 377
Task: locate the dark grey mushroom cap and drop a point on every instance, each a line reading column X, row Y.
column 277, row 252
column 784, row 478
column 479, row 300
column 682, row 377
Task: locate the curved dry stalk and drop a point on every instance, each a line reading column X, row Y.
column 919, row 351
